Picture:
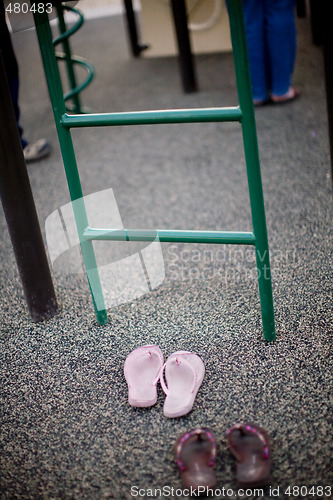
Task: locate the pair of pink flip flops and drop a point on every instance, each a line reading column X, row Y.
column 183, row 371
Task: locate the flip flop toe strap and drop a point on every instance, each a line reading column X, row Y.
column 147, row 352
column 195, row 432
column 179, row 360
column 247, row 428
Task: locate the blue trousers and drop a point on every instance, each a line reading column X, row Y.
column 11, row 68
column 271, row 39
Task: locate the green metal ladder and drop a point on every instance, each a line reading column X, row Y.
column 243, row 113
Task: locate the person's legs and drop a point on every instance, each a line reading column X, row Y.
column 254, row 26
column 34, row 150
column 280, row 32
column 11, row 67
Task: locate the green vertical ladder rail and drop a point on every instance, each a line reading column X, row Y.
column 70, row 60
column 250, row 141
column 69, row 159
column 244, row 114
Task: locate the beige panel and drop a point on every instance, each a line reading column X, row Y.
column 158, row 31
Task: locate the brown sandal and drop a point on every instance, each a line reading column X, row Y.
column 249, row 444
column 290, row 96
column 195, row 453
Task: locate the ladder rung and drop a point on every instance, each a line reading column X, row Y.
column 170, row 235
column 153, row 117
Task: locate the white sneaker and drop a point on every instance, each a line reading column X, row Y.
column 36, row 150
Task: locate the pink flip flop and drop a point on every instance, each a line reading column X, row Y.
column 195, row 453
column 184, row 372
column 249, row 444
column 142, row 371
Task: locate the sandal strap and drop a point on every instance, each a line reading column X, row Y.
column 147, row 350
column 179, row 362
column 252, row 430
column 186, row 436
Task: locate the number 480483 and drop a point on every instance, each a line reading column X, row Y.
column 24, row 8
column 304, row 491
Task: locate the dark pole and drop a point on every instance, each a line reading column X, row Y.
column 318, row 8
column 136, row 46
column 301, row 8
column 184, row 46
column 327, row 13
column 21, row 215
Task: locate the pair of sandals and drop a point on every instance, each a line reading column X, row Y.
column 196, row 451
column 180, row 377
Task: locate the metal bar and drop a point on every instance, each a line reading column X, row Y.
column 67, row 33
column 67, row 150
column 253, row 165
column 153, row 117
column 90, row 75
column 20, row 212
column 68, row 60
column 318, row 11
column 136, row 46
column 326, row 11
column 186, row 63
column 170, row 235
column 300, row 8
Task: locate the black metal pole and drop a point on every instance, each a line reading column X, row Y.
column 20, row 213
column 326, row 25
column 317, row 12
column 301, row 8
column 184, row 46
column 136, row 46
